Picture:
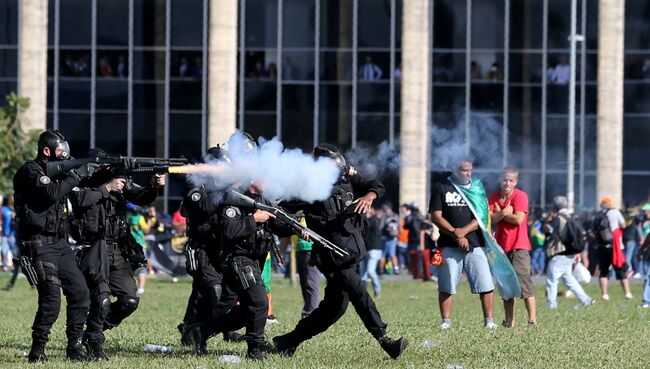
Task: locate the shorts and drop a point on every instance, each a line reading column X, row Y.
column 389, row 247
column 473, row 263
column 605, row 262
column 520, row 260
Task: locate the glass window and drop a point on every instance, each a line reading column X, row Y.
column 298, row 27
column 373, row 97
column 76, row 128
column 486, row 140
column 112, row 94
column 556, row 143
column 635, row 189
column 149, row 96
column 9, row 21
column 335, row 115
column 74, row 63
column 112, row 22
column 487, row 96
column 374, row 23
column 260, row 125
column 487, row 24
column 526, row 24
column 149, row 23
column 559, row 24
column 50, row 94
column 74, row 94
column 591, row 137
column 149, row 65
column 298, row 116
column 261, row 23
column 524, row 135
column 186, row 65
column 448, row 67
column 298, row 66
column 637, row 66
column 525, row 100
column 372, row 129
column 636, row 24
column 636, row 150
column 636, row 97
column 187, row 23
column 556, row 185
column 261, row 65
column 530, row 183
column 557, row 99
column 589, row 193
column 336, row 66
column 373, row 66
column 260, row 95
column 185, row 136
column 448, row 99
column 525, row 67
column 112, row 64
column 8, row 63
column 336, row 23
column 187, row 94
column 450, row 19
column 111, row 133
column 5, row 88
column 147, row 125
column 75, row 22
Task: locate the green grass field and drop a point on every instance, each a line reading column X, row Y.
column 608, row 335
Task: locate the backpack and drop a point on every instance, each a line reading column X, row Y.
column 574, row 236
column 601, row 229
column 391, row 227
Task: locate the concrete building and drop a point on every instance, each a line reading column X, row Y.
column 170, row 77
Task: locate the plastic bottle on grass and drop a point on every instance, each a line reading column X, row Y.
column 158, row 348
column 229, row 359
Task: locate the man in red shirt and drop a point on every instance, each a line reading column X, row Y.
column 509, row 213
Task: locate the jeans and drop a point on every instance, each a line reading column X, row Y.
column 560, row 268
column 8, row 244
column 402, row 256
column 630, row 250
column 369, row 268
column 646, row 285
column 538, row 260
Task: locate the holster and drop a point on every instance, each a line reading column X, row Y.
column 134, row 253
column 247, row 273
column 27, row 252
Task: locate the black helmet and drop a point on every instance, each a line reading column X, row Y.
column 241, row 143
column 216, row 153
column 330, row 151
column 53, row 139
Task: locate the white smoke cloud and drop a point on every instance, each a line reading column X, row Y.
column 282, row 174
column 375, row 162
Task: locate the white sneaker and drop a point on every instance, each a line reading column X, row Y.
column 628, row 296
column 444, row 326
column 605, row 297
column 491, row 325
column 645, row 305
column 637, row 275
column 140, row 291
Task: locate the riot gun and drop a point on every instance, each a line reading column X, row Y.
column 240, row 200
column 119, row 165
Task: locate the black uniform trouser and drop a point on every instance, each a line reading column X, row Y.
column 60, row 271
column 253, row 302
column 121, row 284
column 202, row 303
column 343, row 286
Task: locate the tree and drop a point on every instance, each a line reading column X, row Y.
column 16, row 145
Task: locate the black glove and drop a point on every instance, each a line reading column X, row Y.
column 86, row 170
column 129, row 164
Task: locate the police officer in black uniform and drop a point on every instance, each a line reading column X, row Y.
column 247, row 237
column 46, row 257
column 339, row 219
column 202, row 253
column 100, row 227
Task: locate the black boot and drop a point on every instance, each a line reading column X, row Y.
column 199, row 341
column 37, row 353
column 393, row 348
column 255, row 352
column 186, row 334
column 75, row 352
column 96, row 350
column 233, row 336
column 283, row 346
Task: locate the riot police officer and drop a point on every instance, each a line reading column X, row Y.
column 46, row 257
column 107, row 249
column 246, row 237
column 202, row 253
column 339, row 219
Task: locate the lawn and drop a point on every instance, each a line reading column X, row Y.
column 610, row 334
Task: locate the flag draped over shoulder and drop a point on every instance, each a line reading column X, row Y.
column 503, row 272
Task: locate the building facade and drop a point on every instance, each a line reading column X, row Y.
column 132, row 77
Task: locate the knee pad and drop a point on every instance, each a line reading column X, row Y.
column 104, row 305
column 214, row 294
column 128, row 304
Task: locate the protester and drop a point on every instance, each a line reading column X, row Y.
column 509, row 213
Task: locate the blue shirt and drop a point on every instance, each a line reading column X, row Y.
column 6, row 221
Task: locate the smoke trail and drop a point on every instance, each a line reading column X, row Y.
column 375, row 162
column 282, row 174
